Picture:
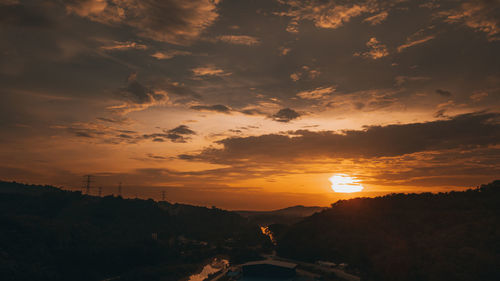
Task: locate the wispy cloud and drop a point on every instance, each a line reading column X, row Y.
column 239, row 39
column 377, row 19
column 165, row 55
column 123, row 46
column 481, row 15
column 327, row 14
column 209, row 70
column 410, row 43
column 316, row 94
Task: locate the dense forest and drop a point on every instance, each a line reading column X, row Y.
column 51, row 234
column 436, row 237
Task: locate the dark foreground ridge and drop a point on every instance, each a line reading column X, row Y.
column 51, row 234
column 445, row 236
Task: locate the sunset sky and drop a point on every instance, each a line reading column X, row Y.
column 250, row 104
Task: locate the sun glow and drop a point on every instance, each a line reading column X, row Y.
column 345, row 184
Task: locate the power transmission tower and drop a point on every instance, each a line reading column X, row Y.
column 87, row 180
column 100, row 191
column 163, row 195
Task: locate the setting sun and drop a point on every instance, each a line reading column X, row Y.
column 345, row 184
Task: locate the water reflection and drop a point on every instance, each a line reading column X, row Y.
column 214, row 266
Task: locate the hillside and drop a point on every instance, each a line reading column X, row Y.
column 51, row 234
column 282, row 216
column 445, row 236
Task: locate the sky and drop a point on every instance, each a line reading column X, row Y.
column 250, row 104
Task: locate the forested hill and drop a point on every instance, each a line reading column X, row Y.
column 445, row 236
column 50, row 234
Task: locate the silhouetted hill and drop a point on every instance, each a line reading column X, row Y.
column 51, row 234
column 282, row 216
column 445, row 236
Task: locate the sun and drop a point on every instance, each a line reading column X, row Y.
column 345, row 184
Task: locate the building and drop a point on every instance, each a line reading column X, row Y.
column 269, row 269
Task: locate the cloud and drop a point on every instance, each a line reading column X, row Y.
column 417, row 38
column 401, row 79
column 480, row 15
column 172, row 21
column 106, row 131
column 179, row 134
column 252, row 111
column 284, row 51
column 443, row 93
column 217, row 107
column 316, row 94
column 138, row 97
column 239, row 39
column 377, row 50
column 166, row 55
column 286, row 115
column 325, row 14
column 478, row 96
column 415, row 42
column 467, row 131
column 377, row 19
column 136, row 92
column 209, row 70
column 109, row 133
column 123, row 46
column 305, row 72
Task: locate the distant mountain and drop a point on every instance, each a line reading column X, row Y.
column 281, row 216
column 51, row 234
column 299, row 211
column 445, row 236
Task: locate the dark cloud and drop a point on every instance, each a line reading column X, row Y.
column 172, row 21
column 83, row 135
column 440, row 113
column 182, row 130
column 285, row 115
column 112, row 120
column 252, row 112
column 138, row 97
column 179, row 134
column 443, row 93
column 138, row 93
column 125, row 136
column 217, row 107
column 462, row 131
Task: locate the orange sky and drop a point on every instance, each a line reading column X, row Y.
column 253, row 104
